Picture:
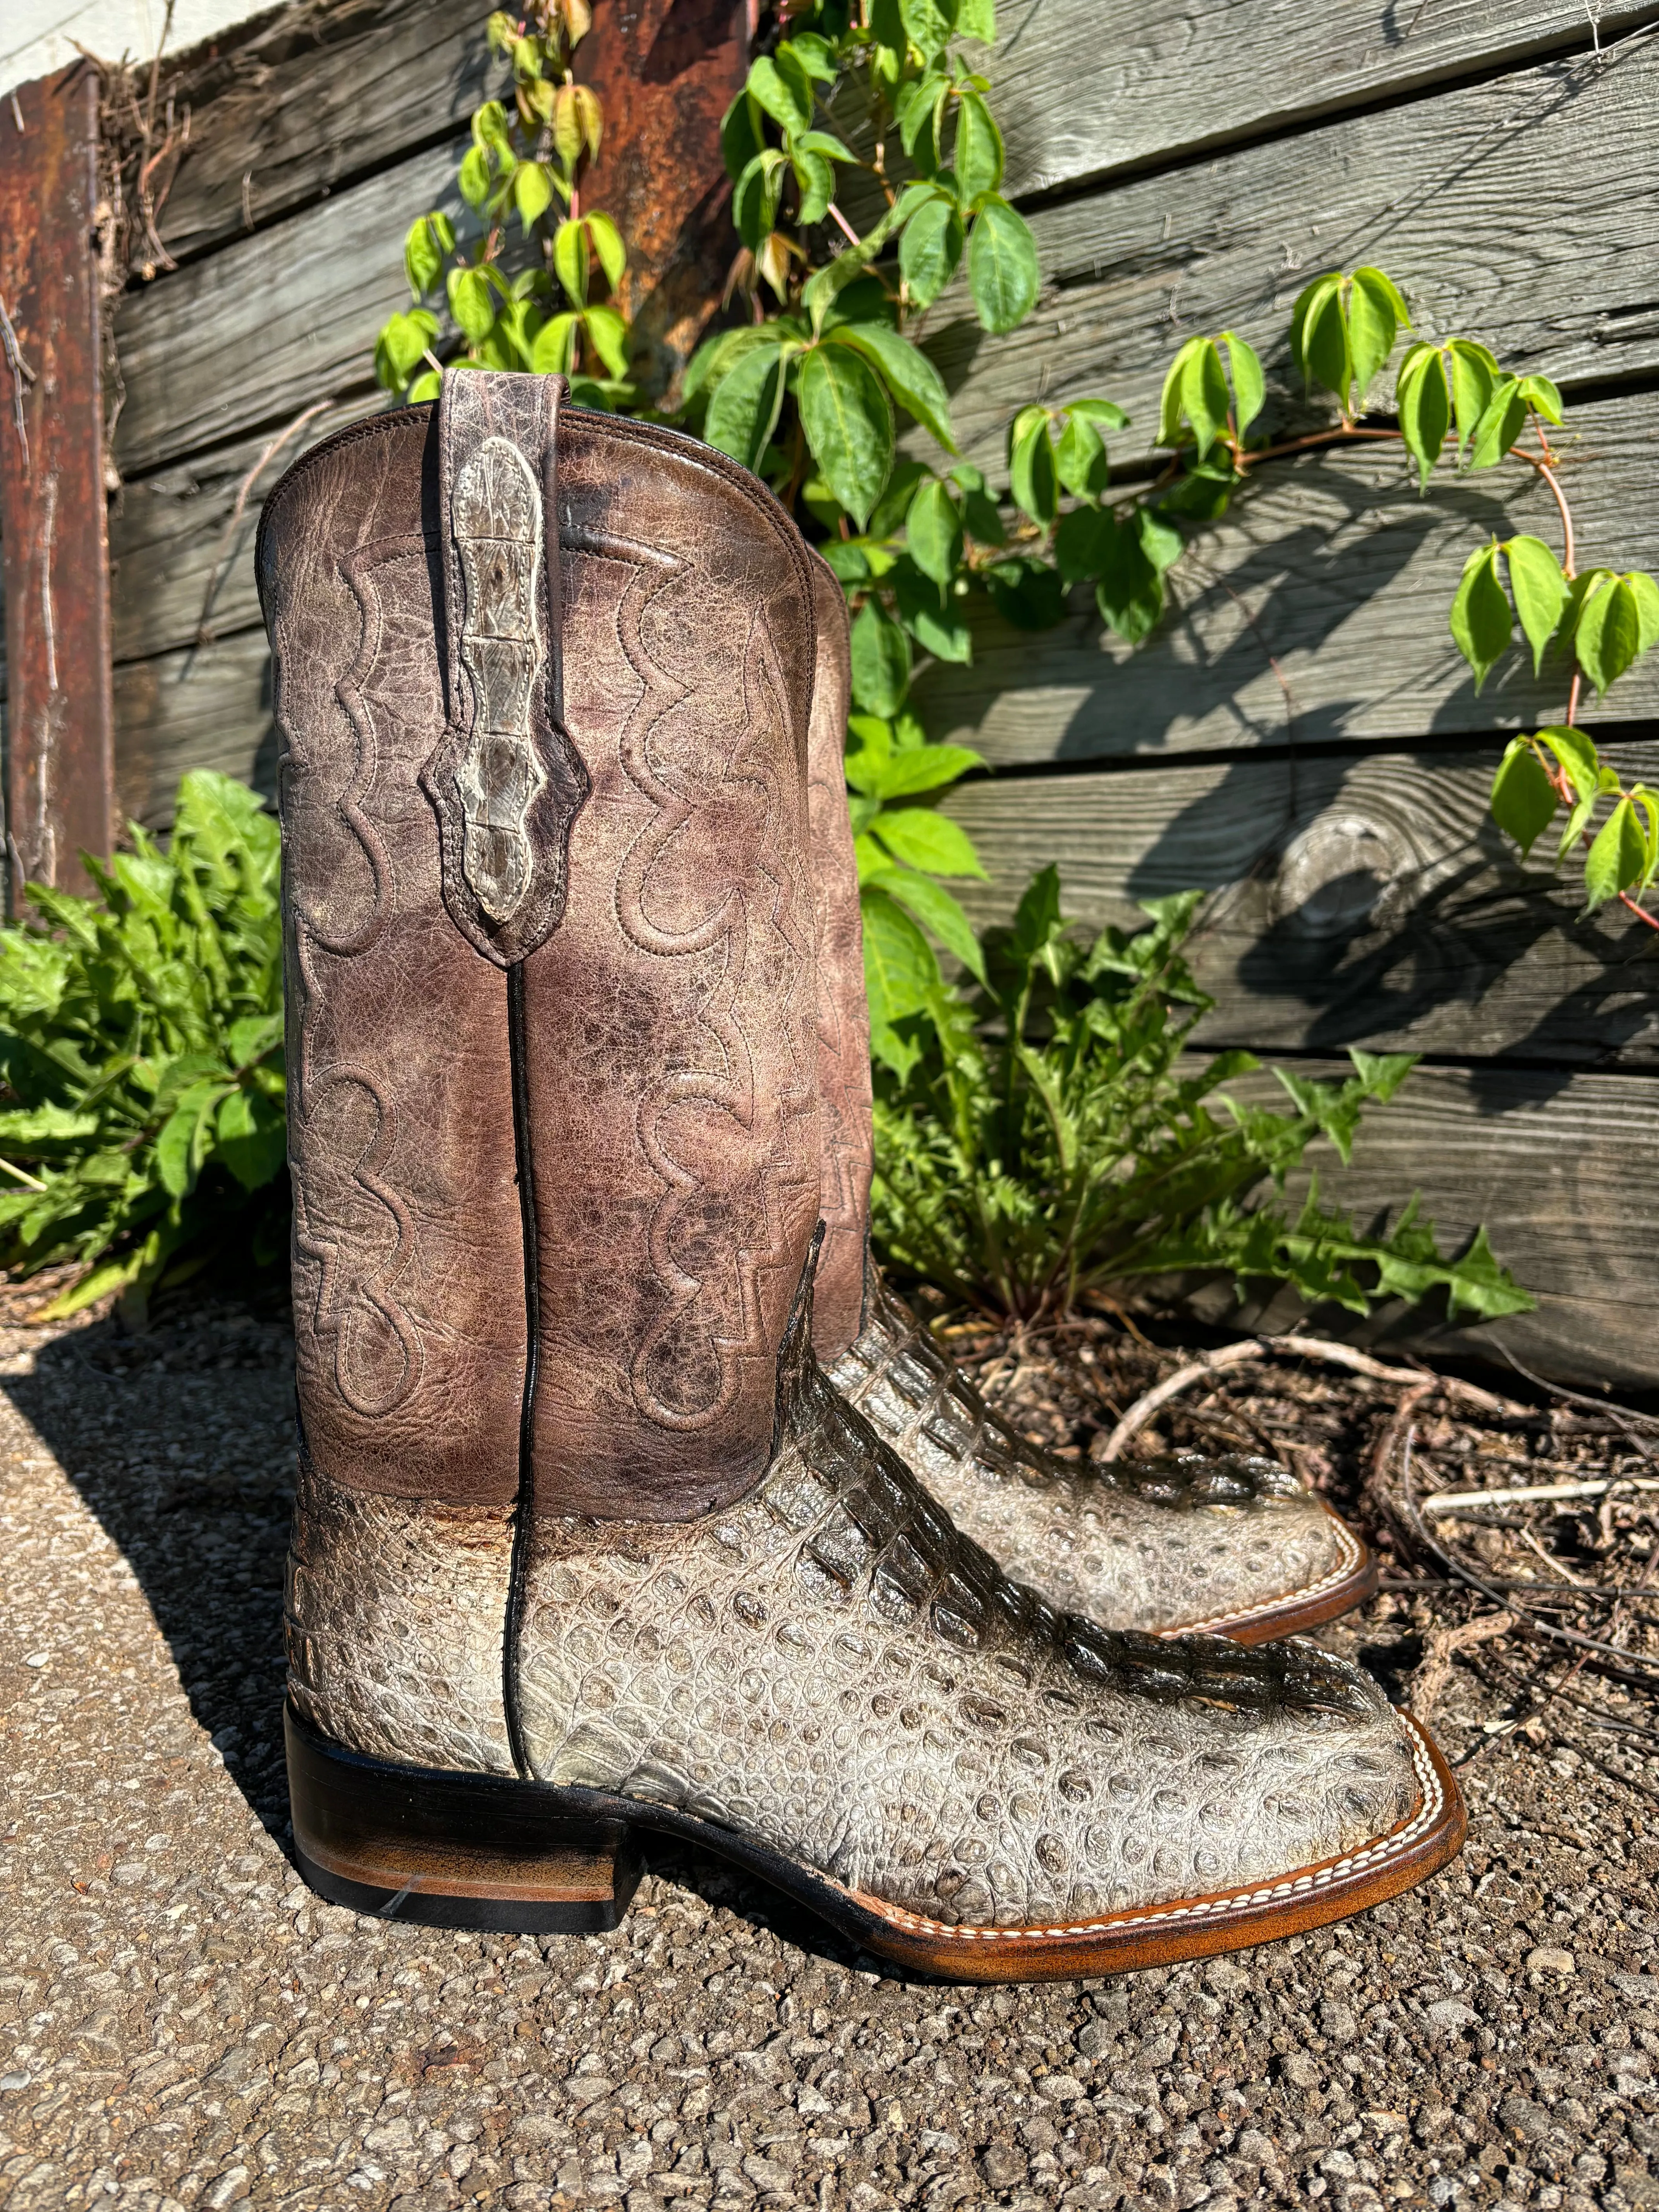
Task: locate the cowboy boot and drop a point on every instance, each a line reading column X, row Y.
column 1232, row 1544
column 586, row 1547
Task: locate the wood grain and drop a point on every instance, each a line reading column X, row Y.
column 168, row 539
column 209, row 707
column 251, row 335
column 1359, row 900
column 318, row 97
column 1564, row 284
column 1082, row 92
column 1548, row 1163
column 1335, row 568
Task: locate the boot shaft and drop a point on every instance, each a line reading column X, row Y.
column 543, row 681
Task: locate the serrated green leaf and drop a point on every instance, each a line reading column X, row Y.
column 930, row 248
column 1523, row 799
column 1032, row 477
column 848, row 421
column 744, row 411
column 1376, row 312
column 1480, row 620
column 977, row 155
column 881, row 660
column 1616, row 857
column 923, row 839
column 908, row 374
column 1249, row 385
column 1003, row 274
column 1608, row 636
column 938, row 910
column 1081, row 458
column 932, row 531
column 1540, row 589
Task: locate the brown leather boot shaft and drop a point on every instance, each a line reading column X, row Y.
column 574, row 933
column 844, row 1009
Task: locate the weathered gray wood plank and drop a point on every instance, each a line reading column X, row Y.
column 1548, row 1163
column 167, row 539
column 207, row 708
column 1564, row 284
column 1084, row 91
column 1334, row 567
column 1365, row 900
column 255, row 332
column 287, row 115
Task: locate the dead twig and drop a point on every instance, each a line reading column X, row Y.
column 1415, row 1379
column 1453, row 1501
column 1433, row 1670
column 244, row 492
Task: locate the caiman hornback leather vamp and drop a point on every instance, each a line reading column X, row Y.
column 586, row 1546
column 1235, row 1545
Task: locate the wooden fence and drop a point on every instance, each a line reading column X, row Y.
column 1301, row 736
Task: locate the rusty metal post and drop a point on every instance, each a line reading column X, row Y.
column 665, row 71
column 59, row 757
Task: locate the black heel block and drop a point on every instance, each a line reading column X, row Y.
column 452, row 1851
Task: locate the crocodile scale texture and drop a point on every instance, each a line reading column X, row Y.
column 393, row 1618
column 1191, row 1541
column 829, row 1667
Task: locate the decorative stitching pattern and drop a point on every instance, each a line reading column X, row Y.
column 357, row 1272
column 731, row 1091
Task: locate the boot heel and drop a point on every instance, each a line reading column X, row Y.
column 452, row 1851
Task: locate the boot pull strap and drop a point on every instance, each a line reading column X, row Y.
column 505, row 781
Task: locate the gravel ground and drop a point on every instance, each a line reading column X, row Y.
column 184, row 2025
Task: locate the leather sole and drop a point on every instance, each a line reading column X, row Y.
column 483, row 1851
column 1352, row 1580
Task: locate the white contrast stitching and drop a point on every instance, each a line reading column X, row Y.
column 1392, row 1845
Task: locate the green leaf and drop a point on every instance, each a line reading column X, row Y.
column 741, row 135
column 937, row 909
column 1081, row 543
column 1375, row 313
column 979, row 509
column 1160, row 541
column 1033, row 479
column 1474, row 374
column 1425, row 407
column 1099, row 410
column 977, row 156
column 402, row 346
column 1171, row 404
column 744, row 411
column 927, row 24
column 607, row 243
column 892, row 510
column 910, row 375
column 1320, row 337
column 1523, row 799
column 607, row 334
column 923, row 839
column 881, row 661
column 900, row 968
column 937, row 621
column 932, row 531
column 1204, row 395
column 977, row 19
column 1575, row 752
column 532, row 193
column 429, row 240
column 848, row 421
column 475, row 177
column 1249, row 385
column 755, row 198
column 1541, row 592
column 925, row 767
column 1130, row 590
column 1480, row 618
column 472, row 304
column 570, row 261
column 930, row 247
column 1504, row 420
column 1002, row 266
column 784, row 89
column 1081, row 459
column 554, row 347
column 1608, row 636
column 1541, row 393
column 1616, row 859
column 816, row 181
column 1647, row 606
column 1025, row 591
